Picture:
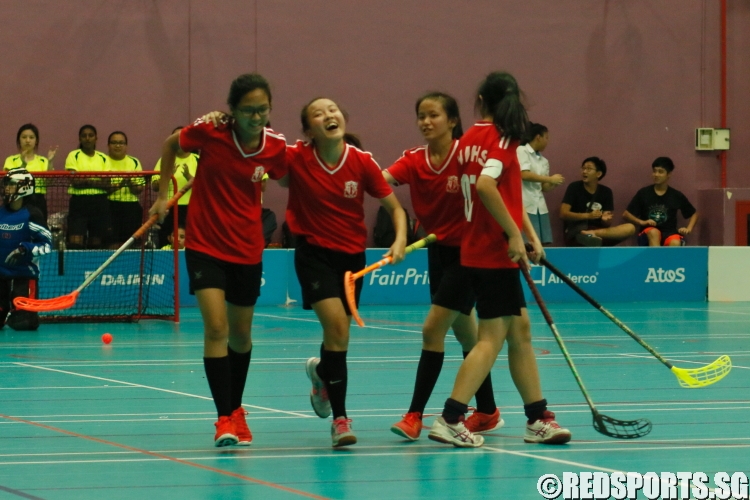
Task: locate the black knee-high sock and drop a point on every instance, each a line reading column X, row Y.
column 219, row 376
column 239, row 363
column 485, row 396
column 453, row 411
column 428, row 371
column 332, row 370
column 535, row 411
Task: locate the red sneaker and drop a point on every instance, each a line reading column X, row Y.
column 244, row 436
column 341, row 432
column 409, row 427
column 226, row 435
column 480, row 423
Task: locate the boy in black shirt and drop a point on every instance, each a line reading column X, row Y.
column 587, row 209
column 654, row 209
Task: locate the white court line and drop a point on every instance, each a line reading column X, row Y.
column 720, row 312
column 360, row 414
column 316, row 321
column 434, row 411
column 533, row 322
column 673, row 361
column 154, row 388
column 376, row 359
column 411, row 446
column 325, row 453
column 384, row 357
column 58, row 388
column 358, row 340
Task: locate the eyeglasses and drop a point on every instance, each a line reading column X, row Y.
column 250, row 112
column 118, row 143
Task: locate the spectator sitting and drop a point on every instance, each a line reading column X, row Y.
column 180, row 239
column 23, row 237
column 27, row 141
column 125, row 208
column 89, row 223
column 536, row 180
column 654, row 209
column 587, row 208
column 185, row 167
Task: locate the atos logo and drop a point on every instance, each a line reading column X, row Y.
column 665, row 275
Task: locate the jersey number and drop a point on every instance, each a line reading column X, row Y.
column 466, row 182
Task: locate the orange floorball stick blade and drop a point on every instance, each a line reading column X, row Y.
column 44, row 305
column 349, row 291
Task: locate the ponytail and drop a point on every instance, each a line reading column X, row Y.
column 353, row 140
column 510, row 118
column 499, row 96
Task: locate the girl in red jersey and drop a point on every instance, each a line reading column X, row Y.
column 432, row 173
column 327, row 181
column 491, row 248
column 224, row 243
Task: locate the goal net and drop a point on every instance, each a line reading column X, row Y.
column 90, row 215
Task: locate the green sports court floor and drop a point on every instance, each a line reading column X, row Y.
column 134, row 419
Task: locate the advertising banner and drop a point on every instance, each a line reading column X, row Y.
column 628, row 274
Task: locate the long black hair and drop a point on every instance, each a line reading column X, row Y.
column 499, row 96
column 24, row 127
column 244, row 84
column 450, row 105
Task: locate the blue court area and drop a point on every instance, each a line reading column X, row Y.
column 135, row 420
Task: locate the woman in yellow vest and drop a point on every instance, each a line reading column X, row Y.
column 89, row 223
column 27, row 140
column 124, row 205
column 184, row 170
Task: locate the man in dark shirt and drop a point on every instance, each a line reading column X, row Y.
column 654, row 209
column 587, row 209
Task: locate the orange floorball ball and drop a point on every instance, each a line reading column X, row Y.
column 107, row 338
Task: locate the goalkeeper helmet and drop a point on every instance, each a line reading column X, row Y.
column 24, row 182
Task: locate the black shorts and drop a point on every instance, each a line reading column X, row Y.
column 498, row 291
column 89, row 214
column 320, row 272
column 450, row 284
column 127, row 217
column 240, row 282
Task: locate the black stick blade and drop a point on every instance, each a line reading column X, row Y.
column 621, row 429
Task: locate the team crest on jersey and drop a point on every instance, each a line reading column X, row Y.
column 452, row 185
column 258, row 175
column 350, row 189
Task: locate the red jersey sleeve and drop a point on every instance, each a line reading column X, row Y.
column 376, row 185
column 402, row 169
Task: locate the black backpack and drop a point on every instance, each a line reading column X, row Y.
column 288, row 240
column 268, row 218
column 384, row 234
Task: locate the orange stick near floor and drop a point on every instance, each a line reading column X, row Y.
column 350, row 279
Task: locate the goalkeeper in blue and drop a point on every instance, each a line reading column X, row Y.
column 23, row 237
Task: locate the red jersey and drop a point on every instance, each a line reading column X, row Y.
column 483, row 152
column 326, row 203
column 435, row 192
column 224, row 219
